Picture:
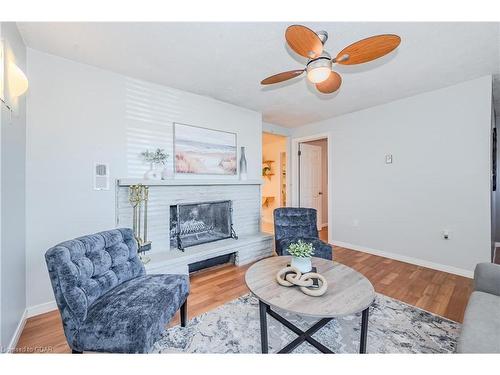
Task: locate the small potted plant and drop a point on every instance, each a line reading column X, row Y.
column 157, row 160
column 301, row 253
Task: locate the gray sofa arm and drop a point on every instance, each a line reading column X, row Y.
column 487, row 278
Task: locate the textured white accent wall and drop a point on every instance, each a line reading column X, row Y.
column 78, row 115
column 439, row 179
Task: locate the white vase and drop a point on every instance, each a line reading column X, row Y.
column 243, row 165
column 302, row 264
column 152, row 173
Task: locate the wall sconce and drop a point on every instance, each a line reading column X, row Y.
column 17, row 83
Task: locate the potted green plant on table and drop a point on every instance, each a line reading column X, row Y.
column 301, row 253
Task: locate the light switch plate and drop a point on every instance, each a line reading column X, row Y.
column 388, row 159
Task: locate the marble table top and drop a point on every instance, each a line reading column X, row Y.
column 348, row 291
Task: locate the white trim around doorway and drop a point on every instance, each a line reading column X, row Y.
column 293, row 173
column 288, row 161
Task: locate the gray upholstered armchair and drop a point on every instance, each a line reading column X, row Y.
column 481, row 325
column 292, row 224
column 106, row 300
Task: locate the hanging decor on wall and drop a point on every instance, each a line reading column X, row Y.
column 204, row 151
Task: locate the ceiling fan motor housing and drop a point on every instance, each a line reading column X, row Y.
column 323, row 36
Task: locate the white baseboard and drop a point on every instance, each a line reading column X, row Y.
column 17, row 333
column 406, row 259
column 28, row 313
column 41, row 309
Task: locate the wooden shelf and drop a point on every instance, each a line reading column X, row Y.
column 268, row 201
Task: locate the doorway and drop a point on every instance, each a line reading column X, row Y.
column 274, row 177
column 313, row 179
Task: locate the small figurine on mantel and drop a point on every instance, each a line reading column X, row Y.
column 158, row 169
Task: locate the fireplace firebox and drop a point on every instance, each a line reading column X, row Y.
column 196, row 223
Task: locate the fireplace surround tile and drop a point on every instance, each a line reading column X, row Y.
column 246, row 203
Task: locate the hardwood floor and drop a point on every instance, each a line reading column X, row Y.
column 438, row 292
column 441, row 293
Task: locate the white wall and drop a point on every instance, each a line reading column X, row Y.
column 276, row 129
column 440, row 177
column 1, row 122
column 13, row 150
column 79, row 114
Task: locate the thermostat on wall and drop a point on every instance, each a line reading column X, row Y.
column 388, row 159
column 101, row 176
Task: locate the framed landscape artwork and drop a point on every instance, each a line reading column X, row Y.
column 204, row 151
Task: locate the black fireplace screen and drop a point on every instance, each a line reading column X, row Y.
column 197, row 223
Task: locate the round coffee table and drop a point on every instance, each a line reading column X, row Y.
column 348, row 293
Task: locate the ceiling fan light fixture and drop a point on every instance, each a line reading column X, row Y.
column 319, row 70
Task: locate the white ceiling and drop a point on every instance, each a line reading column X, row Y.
column 227, row 61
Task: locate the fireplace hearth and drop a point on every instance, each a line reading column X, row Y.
column 196, row 223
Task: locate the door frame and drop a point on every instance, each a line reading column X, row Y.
column 294, row 172
column 289, row 194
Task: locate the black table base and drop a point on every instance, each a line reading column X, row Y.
column 304, row 335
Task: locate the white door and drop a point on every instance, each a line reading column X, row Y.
column 310, row 178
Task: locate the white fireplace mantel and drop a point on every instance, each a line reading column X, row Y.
column 185, row 182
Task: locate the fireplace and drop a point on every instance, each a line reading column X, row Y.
column 196, row 223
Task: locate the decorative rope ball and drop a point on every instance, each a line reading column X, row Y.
column 303, row 281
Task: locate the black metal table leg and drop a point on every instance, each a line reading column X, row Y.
column 303, row 336
column 263, row 326
column 184, row 313
column 364, row 330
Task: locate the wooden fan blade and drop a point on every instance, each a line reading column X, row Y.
column 304, row 41
column 331, row 84
column 280, row 77
column 369, row 49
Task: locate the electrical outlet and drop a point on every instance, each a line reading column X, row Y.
column 446, row 234
column 388, row 159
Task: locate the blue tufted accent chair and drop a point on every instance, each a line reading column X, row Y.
column 106, row 300
column 292, row 224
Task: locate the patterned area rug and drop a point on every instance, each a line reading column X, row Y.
column 394, row 327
